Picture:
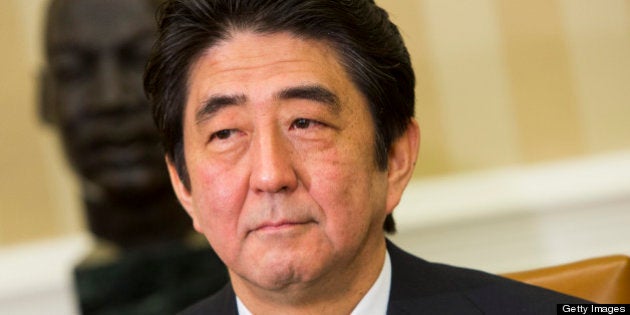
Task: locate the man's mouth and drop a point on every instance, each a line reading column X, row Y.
column 281, row 226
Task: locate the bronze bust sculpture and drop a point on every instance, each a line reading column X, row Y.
column 96, row 51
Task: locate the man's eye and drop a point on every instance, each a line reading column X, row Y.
column 222, row 134
column 302, row 123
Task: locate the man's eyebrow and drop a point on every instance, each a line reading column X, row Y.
column 315, row 93
column 216, row 102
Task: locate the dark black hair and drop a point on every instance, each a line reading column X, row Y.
column 369, row 46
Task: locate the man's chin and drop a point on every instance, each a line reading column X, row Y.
column 276, row 277
column 282, row 266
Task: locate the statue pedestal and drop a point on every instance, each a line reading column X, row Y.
column 159, row 279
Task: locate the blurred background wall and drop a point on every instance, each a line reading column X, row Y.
column 38, row 198
column 524, row 108
column 501, row 85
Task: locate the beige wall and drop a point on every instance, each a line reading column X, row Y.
column 36, row 198
column 510, row 82
column 500, row 83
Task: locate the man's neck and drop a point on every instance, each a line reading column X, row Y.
column 338, row 292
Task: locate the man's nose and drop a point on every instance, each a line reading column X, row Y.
column 108, row 92
column 273, row 168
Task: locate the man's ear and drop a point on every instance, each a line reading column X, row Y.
column 401, row 162
column 183, row 194
column 47, row 99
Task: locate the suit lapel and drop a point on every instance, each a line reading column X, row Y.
column 227, row 301
column 418, row 288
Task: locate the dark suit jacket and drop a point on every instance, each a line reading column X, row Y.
column 421, row 287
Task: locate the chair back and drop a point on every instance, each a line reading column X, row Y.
column 602, row 280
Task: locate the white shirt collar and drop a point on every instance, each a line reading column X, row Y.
column 373, row 302
column 376, row 299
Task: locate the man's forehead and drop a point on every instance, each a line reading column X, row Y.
column 86, row 21
column 248, row 65
column 246, row 51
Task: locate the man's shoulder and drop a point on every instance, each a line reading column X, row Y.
column 222, row 302
column 438, row 288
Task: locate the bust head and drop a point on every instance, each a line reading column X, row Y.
column 92, row 92
column 96, row 51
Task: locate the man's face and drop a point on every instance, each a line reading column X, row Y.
column 96, row 52
column 279, row 145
